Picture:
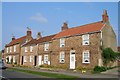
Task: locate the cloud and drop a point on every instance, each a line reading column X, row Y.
column 39, row 18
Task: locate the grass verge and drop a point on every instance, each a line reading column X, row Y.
column 51, row 75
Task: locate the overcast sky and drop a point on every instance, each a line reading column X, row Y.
column 48, row 17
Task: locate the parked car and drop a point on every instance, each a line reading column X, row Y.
column 2, row 65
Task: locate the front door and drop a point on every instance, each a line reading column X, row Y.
column 72, row 60
column 22, row 61
column 40, row 60
column 35, row 60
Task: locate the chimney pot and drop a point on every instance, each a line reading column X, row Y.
column 65, row 26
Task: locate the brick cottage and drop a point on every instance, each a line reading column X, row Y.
column 80, row 46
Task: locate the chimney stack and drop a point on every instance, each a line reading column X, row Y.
column 13, row 38
column 29, row 31
column 28, row 34
column 65, row 26
column 38, row 35
column 105, row 17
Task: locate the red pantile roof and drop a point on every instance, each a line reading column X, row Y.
column 33, row 41
column 16, row 41
column 40, row 40
column 45, row 39
column 80, row 30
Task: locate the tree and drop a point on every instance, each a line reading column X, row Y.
column 108, row 55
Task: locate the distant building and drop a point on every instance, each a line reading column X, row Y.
column 2, row 54
column 13, row 49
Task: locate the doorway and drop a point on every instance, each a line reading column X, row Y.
column 72, row 59
column 22, row 61
column 35, row 60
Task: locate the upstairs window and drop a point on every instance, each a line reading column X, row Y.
column 62, row 42
column 45, row 59
column 26, row 49
column 15, row 48
column 62, row 57
column 86, row 57
column 85, row 39
column 46, row 47
column 10, row 49
column 31, row 48
column 7, row 50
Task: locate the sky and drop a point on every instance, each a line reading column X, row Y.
column 48, row 17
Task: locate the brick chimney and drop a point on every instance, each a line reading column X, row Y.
column 13, row 38
column 65, row 26
column 39, row 35
column 28, row 34
column 105, row 17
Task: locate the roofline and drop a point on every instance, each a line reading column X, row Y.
column 77, row 34
column 85, row 25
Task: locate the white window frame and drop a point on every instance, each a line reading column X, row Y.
column 7, row 49
column 31, row 48
column 25, row 58
column 45, row 59
column 85, row 40
column 62, row 57
column 10, row 49
column 31, row 57
column 13, row 59
column 14, row 48
column 86, row 58
column 62, row 42
column 26, row 49
column 46, row 46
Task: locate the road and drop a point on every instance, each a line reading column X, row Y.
column 14, row 75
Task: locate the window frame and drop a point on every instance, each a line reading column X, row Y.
column 31, row 48
column 10, row 49
column 62, row 57
column 7, row 49
column 85, row 40
column 46, row 46
column 31, row 57
column 13, row 59
column 45, row 59
column 88, row 57
column 25, row 58
column 26, row 49
column 62, row 42
column 15, row 48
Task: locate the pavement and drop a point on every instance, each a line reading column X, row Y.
column 113, row 73
column 73, row 73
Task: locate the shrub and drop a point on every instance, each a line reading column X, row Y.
column 99, row 69
column 108, row 56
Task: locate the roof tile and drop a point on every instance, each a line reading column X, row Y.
column 80, row 29
column 16, row 41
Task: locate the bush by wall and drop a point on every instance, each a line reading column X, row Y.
column 99, row 69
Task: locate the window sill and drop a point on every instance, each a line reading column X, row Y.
column 61, row 62
column 86, row 62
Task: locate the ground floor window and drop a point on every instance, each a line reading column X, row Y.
column 45, row 59
column 25, row 58
column 62, row 56
column 14, row 59
column 31, row 57
column 86, row 56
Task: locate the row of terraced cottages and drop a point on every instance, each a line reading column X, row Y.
column 79, row 46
